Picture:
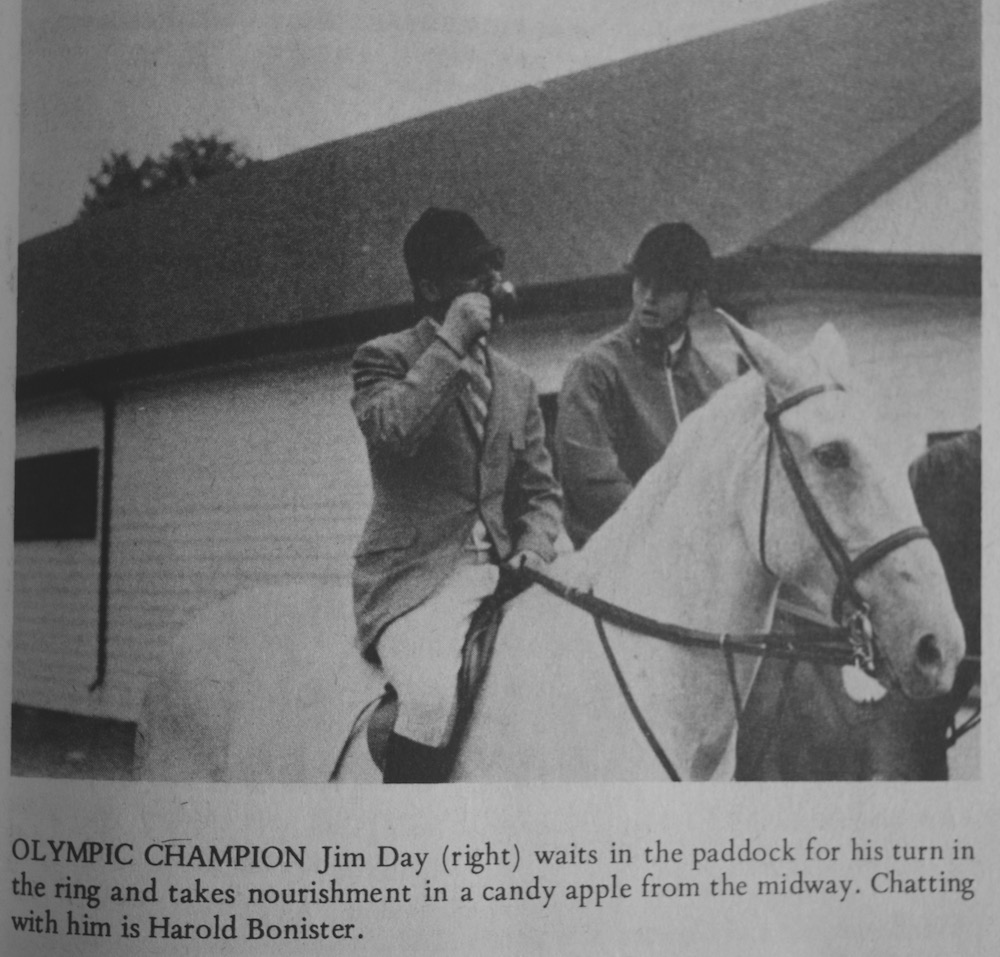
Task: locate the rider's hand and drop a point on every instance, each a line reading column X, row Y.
column 526, row 558
column 468, row 318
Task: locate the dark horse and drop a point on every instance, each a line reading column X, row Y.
column 800, row 724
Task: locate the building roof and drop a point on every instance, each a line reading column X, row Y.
column 772, row 132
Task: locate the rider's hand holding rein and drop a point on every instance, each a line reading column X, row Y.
column 525, row 559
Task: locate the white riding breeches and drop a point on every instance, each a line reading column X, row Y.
column 421, row 653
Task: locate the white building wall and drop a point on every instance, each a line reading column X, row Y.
column 56, row 584
column 917, row 358
column 221, row 483
column 936, row 210
column 225, row 480
column 544, row 345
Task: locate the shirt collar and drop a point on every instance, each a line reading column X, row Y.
column 648, row 344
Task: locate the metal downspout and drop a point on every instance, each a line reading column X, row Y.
column 108, row 402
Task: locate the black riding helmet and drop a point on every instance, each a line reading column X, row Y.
column 673, row 257
column 447, row 242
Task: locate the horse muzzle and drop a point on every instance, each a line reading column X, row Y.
column 921, row 639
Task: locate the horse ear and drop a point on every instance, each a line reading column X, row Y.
column 775, row 365
column 830, row 351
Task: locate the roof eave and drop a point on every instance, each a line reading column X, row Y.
column 752, row 277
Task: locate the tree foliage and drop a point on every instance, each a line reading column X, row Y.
column 191, row 160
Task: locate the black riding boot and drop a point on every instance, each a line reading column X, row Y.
column 408, row 762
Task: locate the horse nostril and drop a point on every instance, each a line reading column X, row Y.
column 928, row 652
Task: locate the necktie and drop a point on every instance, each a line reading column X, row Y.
column 480, row 389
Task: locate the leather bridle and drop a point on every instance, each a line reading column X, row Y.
column 848, row 609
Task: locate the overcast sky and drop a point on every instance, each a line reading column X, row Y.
column 280, row 75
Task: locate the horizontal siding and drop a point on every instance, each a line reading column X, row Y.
column 545, row 346
column 227, row 481
column 223, row 484
column 56, row 583
column 918, row 359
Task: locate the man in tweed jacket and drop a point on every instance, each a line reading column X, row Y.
column 461, row 477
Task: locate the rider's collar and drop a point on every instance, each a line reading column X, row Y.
column 652, row 344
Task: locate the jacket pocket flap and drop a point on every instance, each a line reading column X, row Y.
column 386, row 538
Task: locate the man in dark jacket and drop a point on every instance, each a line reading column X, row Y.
column 624, row 396
column 461, row 477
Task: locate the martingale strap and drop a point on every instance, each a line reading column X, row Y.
column 731, row 672
column 765, row 499
column 633, row 706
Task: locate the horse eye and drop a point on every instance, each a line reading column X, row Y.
column 833, row 455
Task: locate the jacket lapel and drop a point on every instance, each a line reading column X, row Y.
column 498, row 375
column 424, row 333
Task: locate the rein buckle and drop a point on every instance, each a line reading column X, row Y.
column 861, row 635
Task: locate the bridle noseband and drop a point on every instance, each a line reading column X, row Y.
column 848, row 609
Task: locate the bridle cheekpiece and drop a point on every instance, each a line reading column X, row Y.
column 848, row 608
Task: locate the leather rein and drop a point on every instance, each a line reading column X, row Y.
column 851, row 642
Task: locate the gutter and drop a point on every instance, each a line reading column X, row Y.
column 749, row 277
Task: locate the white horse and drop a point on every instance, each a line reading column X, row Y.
column 265, row 686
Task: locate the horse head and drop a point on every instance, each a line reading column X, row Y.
column 866, row 543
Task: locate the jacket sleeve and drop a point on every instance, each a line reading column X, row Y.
column 397, row 405
column 592, row 477
column 534, row 497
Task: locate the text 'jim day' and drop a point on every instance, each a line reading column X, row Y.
column 184, row 853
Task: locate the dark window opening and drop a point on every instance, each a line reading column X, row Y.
column 55, row 496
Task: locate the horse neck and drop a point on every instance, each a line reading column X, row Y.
column 679, row 552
